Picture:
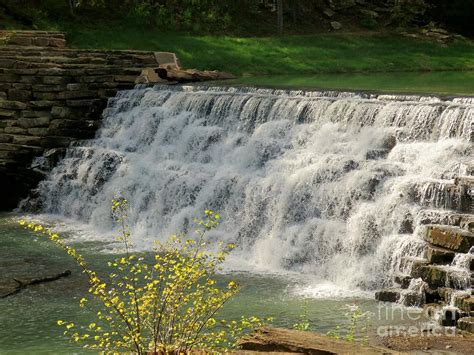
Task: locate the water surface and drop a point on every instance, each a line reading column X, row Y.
column 28, row 319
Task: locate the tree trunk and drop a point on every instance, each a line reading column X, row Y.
column 295, row 10
column 280, row 16
column 71, row 7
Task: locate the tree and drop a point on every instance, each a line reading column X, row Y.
column 280, row 16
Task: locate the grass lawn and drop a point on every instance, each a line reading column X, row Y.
column 328, row 61
column 311, row 54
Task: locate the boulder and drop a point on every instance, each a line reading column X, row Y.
column 388, row 295
column 449, row 237
column 336, row 25
column 149, row 76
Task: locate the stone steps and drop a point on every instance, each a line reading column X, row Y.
column 453, row 238
column 51, row 96
column 439, row 256
column 33, row 38
column 41, row 51
column 23, row 62
column 446, row 281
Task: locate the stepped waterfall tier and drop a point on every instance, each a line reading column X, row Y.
column 338, row 186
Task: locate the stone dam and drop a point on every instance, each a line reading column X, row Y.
column 365, row 191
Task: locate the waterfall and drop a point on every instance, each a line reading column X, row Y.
column 323, row 183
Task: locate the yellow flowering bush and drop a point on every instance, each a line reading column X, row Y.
column 166, row 306
column 356, row 328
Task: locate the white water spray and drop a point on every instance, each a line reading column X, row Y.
column 327, row 184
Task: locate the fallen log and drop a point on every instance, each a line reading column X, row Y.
column 22, row 284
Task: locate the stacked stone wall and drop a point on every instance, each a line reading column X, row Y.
column 51, row 96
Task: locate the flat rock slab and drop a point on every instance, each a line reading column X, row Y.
column 430, row 343
column 293, row 341
column 193, row 75
column 449, row 237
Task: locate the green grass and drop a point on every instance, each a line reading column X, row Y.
column 311, row 54
column 395, row 63
column 439, row 83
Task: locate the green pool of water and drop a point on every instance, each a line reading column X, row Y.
column 28, row 319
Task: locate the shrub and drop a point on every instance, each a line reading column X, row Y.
column 303, row 322
column 369, row 22
column 406, row 12
column 168, row 306
column 356, row 327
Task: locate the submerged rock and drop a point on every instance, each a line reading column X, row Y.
column 13, row 286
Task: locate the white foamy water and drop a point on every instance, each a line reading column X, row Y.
column 305, row 181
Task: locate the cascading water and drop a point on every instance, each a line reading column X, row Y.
column 322, row 183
